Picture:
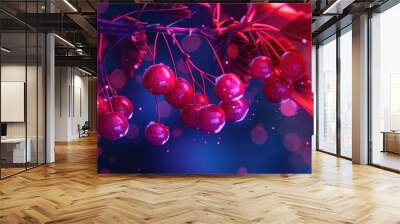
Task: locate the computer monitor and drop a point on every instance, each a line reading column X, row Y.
column 3, row 129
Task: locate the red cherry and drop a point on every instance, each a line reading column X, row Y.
column 261, row 67
column 276, row 90
column 181, row 95
column 159, row 79
column 235, row 110
column 123, row 105
column 292, row 66
column 229, row 87
column 211, row 119
column 113, row 125
column 190, row 114
column 102, row 106
column 201, row 99
column 156, row 133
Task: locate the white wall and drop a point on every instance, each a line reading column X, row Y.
column 71, row 102
column 33, row 127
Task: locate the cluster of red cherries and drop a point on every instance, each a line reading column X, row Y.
column 196, row 109
column 114, row 114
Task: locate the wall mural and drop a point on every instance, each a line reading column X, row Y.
column 204, row 88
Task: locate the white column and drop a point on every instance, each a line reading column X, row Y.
column 50, row 92
column 360, row 90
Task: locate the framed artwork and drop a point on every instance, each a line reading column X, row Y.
column 204, row 88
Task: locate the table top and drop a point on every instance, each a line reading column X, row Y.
column 391, row 132
column 13, row 140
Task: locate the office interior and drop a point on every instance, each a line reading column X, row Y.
column 25, row 63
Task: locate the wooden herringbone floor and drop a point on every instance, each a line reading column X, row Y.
column 70, row 191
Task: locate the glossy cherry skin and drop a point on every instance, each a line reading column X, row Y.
column 229, row 87
column 190, row 114
column 292, row 66
column 102, row 106
column 235, row 110
column 181, row 95
column 201, row 99
column 211, row 119
column 159, row 79
column 261, row 67
column 276, row 90
column 123, row 105
column 156, row 133
column 113, row 125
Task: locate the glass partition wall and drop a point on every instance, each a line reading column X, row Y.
column 385, row 90
column 334, row 93
column 326, row 94
column 22, row 77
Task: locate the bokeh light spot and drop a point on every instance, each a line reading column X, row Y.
column 177, row 132
column 165, row 109
column 191, row 43
column 289, row 108
column 292, row 141
column 133, row 132
column 242, row 170
column 259, row 135
column 181, row 65
column 117, row 79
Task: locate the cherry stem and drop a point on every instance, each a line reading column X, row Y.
column 215, row 55
column 274, row 40
column 149, row 49
column 263, row 48
column 204, row 86
column 192, row 76
column 127, row 15
column 170, row 54
column 101, row 48
column 157, row 109
column 155, row 48
column 270, row 46
column 186, row 57
column 207, row 78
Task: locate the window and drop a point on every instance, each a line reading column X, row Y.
column 346, row 93
column 326, row 94
column 385, row 89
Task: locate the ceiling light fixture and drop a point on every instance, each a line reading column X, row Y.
column 5, row 50
column 84, row 71
column 337, row 7
column 64, row 40
column 70, row 5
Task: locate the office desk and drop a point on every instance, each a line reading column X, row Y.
column 13, row 150
column 391, row 141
